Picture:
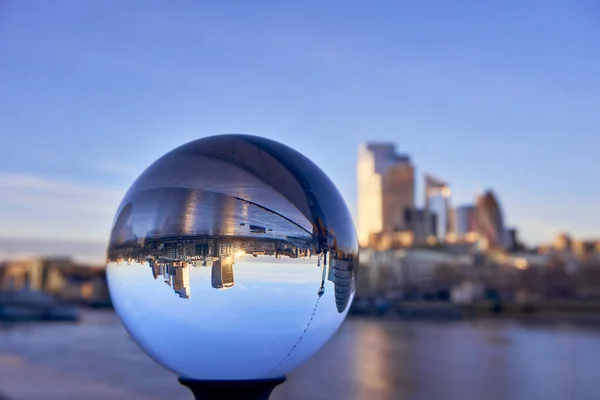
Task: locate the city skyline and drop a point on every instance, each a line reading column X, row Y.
column 483, row 95
column 389, row 216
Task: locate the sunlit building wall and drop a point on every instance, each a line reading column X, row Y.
column 584, row 248
column 181, row 281
column 222, row 273
column 398, row 195
column 385, row 189
column 563, row 242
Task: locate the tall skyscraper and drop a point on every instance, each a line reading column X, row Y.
column 386, row 187
column 437, row 200
column 181, row 280
column 222, row 273
column 490, row 221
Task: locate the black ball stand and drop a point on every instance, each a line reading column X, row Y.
column 232, row 390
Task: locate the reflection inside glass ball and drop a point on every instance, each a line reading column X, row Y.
column 232, row 257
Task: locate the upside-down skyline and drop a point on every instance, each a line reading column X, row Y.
column 502, row 96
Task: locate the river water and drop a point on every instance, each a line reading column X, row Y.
column 367, row 359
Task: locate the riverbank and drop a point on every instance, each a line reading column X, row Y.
column 512, row 309
column 411, row 310
column 30, row 306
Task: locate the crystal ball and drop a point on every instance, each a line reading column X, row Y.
column 232, row 257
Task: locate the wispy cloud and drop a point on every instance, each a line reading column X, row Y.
column 55, row 195
column 38, row 206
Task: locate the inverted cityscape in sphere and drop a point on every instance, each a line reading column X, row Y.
column 232, row 257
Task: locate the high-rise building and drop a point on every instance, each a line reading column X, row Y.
column 181, row 281
column 340, row 273
column 490, row 221
column 386, row 187
column 437, row 200
column 466, row 221
column 222, row 273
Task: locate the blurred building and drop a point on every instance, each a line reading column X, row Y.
column 585, row 249
column 511, row 239
column 36, row 274
column 385, row 189
column 401, row 270
column 490, row 222
column 438, row 200
column 421, row 223
column 579, row 248
column 466, row 221
column 59, row 277
column 391, row 240
column 563, row 243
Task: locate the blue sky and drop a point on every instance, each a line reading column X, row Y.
column 502, row 95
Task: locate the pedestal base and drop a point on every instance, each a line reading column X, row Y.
column 232, row 390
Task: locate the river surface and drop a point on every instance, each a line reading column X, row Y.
column 367, row 359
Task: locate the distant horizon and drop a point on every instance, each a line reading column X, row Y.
column 83, row 251
column 93, row 252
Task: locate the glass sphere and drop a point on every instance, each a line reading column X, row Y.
column 232, row 257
